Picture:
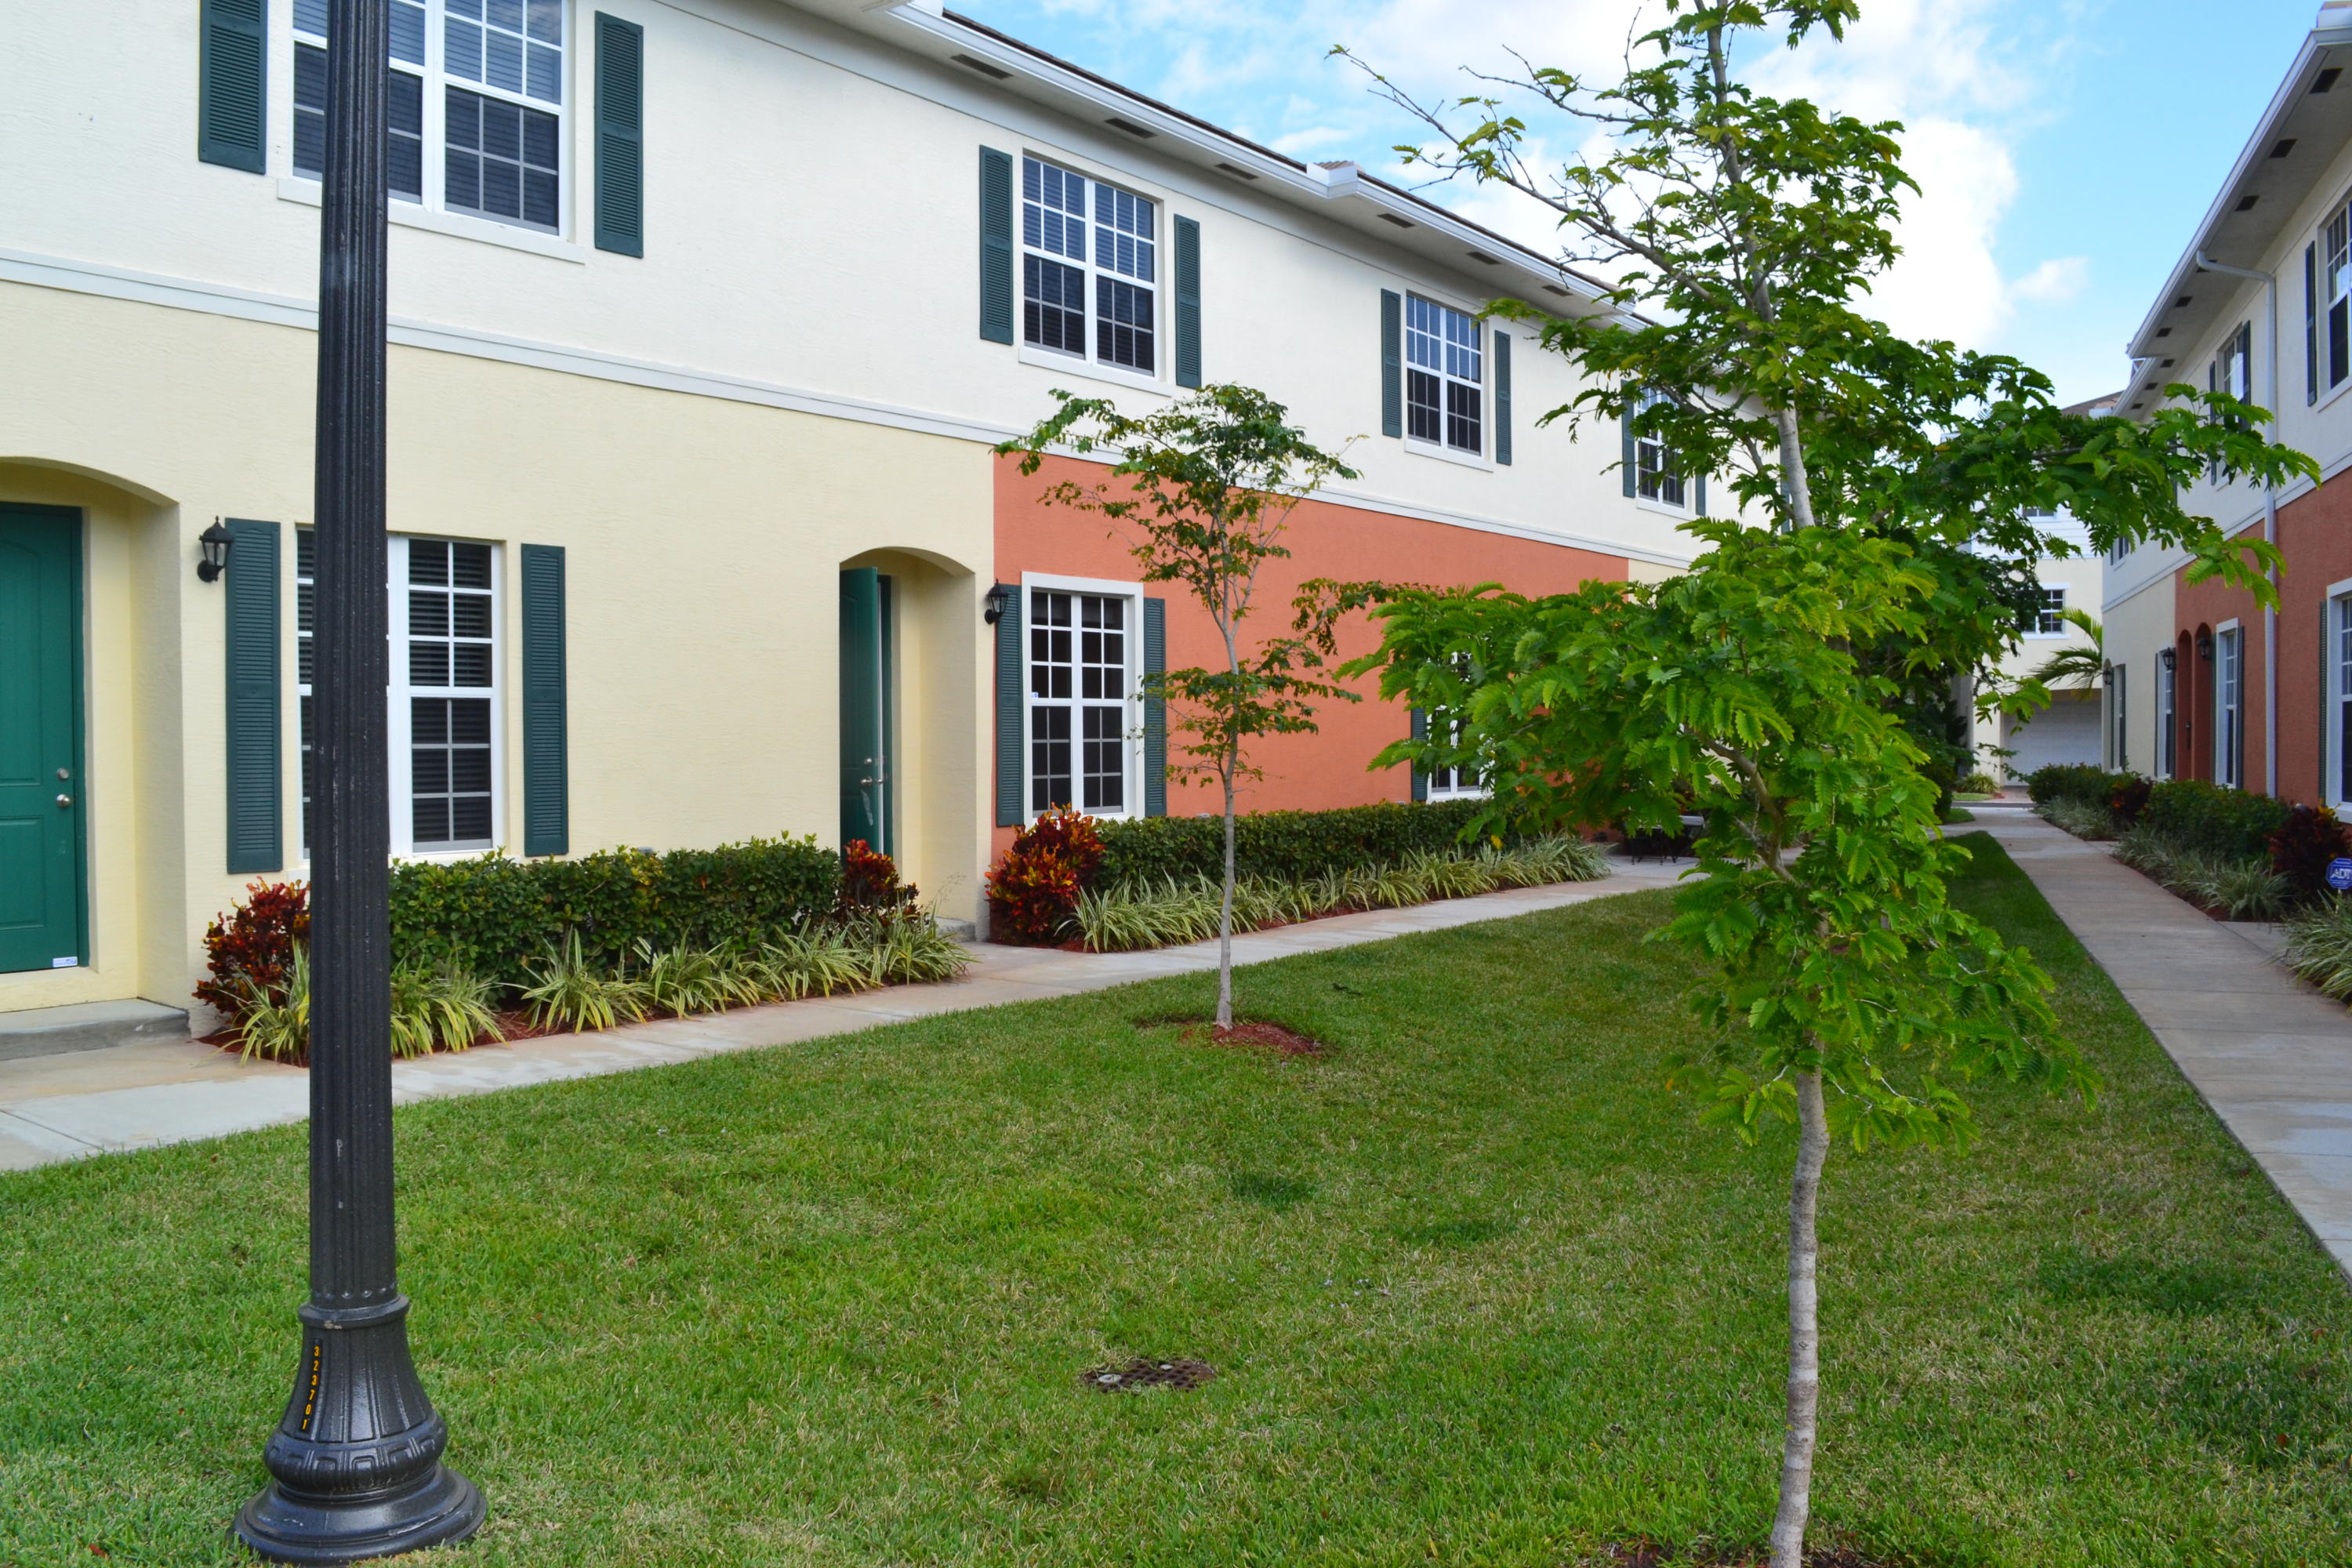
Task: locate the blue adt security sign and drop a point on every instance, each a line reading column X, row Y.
column 2339, row 874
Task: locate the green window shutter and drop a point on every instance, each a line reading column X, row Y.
column 251, row 602
column 232, row 80
column 1420, row 777
column 1631, row 464
column 620, row 136
column 995, row 247
column 1012, row 731
column 1187, row 302
column 2311, row 323
column 546, row 718
column 1503, row 399
column 1155, row 709
column 1391, row 363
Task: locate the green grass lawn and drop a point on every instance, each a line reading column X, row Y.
column 1479, row 1291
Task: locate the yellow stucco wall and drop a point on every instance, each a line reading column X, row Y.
column 702, row 539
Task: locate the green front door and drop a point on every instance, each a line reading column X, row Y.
column 41, row 738
column 866, row 704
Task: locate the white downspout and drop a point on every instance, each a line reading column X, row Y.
column 2269, row 280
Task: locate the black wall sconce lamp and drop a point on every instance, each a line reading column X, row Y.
column 2204, row 647
column 999, row 597
column 215, row 541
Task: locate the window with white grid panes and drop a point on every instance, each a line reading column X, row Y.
column 1088, row 248
column 1444, row 378
column 451, row 671
column 2333, row 352
column 1453, row 783
column 2229, row 709
column 1655, row 479
column 2340, row 708
column 2048, row 617
column 1079, row 688
column 476, row 105
column 2167, row 715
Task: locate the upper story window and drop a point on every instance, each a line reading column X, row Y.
column 2232, row 371
column 483, row 90
column 2049, row 616
column 2327, row 305
column 1444, row 376
column 1088, row 250
column 1655, row 478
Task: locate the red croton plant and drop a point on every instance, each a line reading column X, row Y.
column 1035, row 890
column 255, row 941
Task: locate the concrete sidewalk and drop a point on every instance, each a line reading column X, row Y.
column 2270, row 1055
column 138, row 1095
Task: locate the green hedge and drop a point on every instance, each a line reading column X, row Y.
column 496, row 915
column 2190, row 814
column 2076, row 781
column 1291, row 846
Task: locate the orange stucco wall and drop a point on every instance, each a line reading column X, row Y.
column 1314, row 772
column 2314, row 532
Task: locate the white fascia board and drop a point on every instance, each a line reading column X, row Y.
column 2334, row 32
column 1308, row 185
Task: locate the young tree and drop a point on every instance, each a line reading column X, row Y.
column 1763, row 689
column 1203, row 490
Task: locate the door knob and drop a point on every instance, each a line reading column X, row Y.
column 65, row 800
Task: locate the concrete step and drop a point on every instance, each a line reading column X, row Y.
column 89, row 1026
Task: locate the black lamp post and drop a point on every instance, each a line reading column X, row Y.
column 357, row 1457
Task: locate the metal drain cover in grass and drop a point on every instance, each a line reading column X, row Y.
column 1144, row 1373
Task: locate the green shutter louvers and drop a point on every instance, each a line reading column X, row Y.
column 1391, row 363
column 1420, row 774
column 250, row 598
column 995, row 247
column 546, row 721
column 1503, row 399
column 1187, row 302
column 620, row 136
column 1012, row 731
column 1155, row 709
column 231, row 86
column 1631, row 464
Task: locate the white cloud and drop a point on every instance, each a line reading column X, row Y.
column 2057, row 281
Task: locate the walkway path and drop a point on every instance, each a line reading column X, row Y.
column 2270, row 1055
column 133, row 1097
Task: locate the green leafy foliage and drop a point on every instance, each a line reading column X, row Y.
column 2237, row 886
column 1285, row 845
column 273, row 1022
column 441, row 1008
column 2319, row 946
column 2303, row 845
column 2190, row 813
column 568, row 991
column 250, row 951
column 1035, row 890
column 2079, row 782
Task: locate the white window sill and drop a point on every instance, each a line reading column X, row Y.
column 1662, row 509
column 408, row 215
column 1420, row 448
column 1071, row 364
column 2331, row 394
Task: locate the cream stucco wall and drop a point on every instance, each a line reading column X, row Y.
column 702, row 538
column 2137, row 628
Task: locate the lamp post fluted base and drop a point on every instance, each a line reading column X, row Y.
column 288, row 1527
column 357, row 1458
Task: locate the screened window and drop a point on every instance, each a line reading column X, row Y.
column 1444, row 376
column 1079, row 734
column 2168, row 717
column 486, row 147
column 444, row 695
column 2341, row 663
column 1088, row 248
column 2049, row 616
column 2229, row 711
column 2336, row 289
column 1654, row 475
column 2119, row 745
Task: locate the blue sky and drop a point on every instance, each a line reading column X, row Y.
column 2065, row 146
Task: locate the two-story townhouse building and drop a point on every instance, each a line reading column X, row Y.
column 706, row 316
column 2070, row 729
column 2204, row 683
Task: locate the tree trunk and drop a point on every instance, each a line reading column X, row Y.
column 1225, row 914
column 1804, row 1327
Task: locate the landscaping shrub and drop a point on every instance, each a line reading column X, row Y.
column 2319, row 946
column 870, row 880
column 2072, row 781
column 2304, row 844
column 2128, row 801
column 497, row 916
column 250, row 951
column 1035, row 891
column 2190, row 813
column 273, row 1022
column 1284, row 846
column 1979, row 784
column 2238, row 886
column 2082, row 818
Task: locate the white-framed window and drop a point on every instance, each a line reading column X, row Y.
column 2229, row 707
column 2232, row 371
column 2048, row 618
column 2339, row 693
column 1453, row 783
column 445, row 699
column 2167, row 715
column 1444, row 377
column 2331, row 331
column 1655, row 478
column 476, row 108
column 1089, row 269
column 1084, row 711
